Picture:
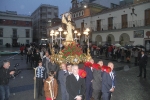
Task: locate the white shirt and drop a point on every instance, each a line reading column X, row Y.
column 70, row 73
column 91, row 69
column 77, row 77
column 111, row 75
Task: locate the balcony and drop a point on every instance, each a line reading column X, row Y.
column 14, row 36
column 125, row 25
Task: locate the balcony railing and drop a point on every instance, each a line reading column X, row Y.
column 129, row 24
column 15, row 36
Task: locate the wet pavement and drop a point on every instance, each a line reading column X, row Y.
column 129, row 86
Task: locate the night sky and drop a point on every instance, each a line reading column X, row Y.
column 26, row 7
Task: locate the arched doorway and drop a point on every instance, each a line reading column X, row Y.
column 110, row 39
column 124, row 39
column 98, row 40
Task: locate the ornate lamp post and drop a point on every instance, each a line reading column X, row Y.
column 60, row 30
column 56, row 33
column 75, row 35
column 86, row 33
column 79, row 34
column 52, row 34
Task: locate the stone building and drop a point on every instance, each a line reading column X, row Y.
column 14, row 28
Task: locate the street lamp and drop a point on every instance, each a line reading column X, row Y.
column 86, row 33
column 65, row 33
column 75, row 35
column 79, row 34
column 60, row 30
column 52, row 34
column 56, row 33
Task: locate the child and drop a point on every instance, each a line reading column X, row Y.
column 51, row 87
column 40, row 75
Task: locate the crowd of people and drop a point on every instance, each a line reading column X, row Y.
column 98, row 84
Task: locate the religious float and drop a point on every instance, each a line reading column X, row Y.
column 71, row 53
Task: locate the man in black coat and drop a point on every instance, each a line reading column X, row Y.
column 75, row 85
column 142, row 64
column 97, row 81
column 49, row 65
column 5, row 74
column 62, row 75
column 108, row 82
column 89, row 80
column 37, row 57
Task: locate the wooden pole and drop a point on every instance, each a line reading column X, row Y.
column 34, row 83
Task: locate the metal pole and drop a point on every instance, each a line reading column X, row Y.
column 52, row 39
column 60, row 40
column 75, row 37
column 88, row 41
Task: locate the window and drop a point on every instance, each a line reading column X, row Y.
column 1, row 21
column 98, row 25
column 79, row 14
column 27, row 22
column 49, row 13
column 14, row 22
column 27, row 41
column 14, row 32
column 1, row 41
column 74, row 15
column 147, row 17
column 82, row 13
column 55, row 8
column 1, row 32
column 124, row 21
column 27, row 33
column 55, row 14
column 110, row 23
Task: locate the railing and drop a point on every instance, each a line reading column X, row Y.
column 14, row 36
column 129, row 24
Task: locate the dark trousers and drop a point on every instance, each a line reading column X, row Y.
column 89, row 91
column 28, row 58
column 4, row 92
column 122, row 58
column 39, row 86
column 32, row 62
column 96, row 94
column 142, row 68
column 135, row 61
column 64, row 93
column 106, row 95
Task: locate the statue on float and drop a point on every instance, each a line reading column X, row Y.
column 67, row 19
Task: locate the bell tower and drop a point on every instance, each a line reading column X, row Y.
column 74, row 4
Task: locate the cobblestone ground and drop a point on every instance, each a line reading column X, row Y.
column 129, row 87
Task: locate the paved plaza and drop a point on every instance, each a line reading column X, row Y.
column 129, row 86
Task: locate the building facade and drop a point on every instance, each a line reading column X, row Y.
column 15, row 29
column 42, row 19
column 124, row 24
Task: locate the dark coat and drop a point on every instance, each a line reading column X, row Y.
column 75, row 87
column 89, row 76
column 97, row 79
column 37, row 57
column 107, row 82
column 4, row 76
column 143, row 61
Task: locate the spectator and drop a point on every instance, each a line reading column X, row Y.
column 5, row 74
